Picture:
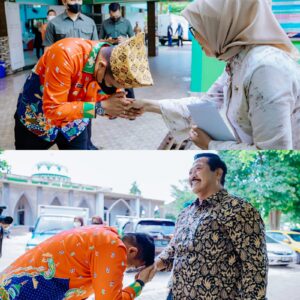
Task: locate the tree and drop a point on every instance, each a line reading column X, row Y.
column 268, row 179
column 173, row 7
column 4, row 167
column 182, row 195
column 134, row 190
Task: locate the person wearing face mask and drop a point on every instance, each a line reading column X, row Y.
column 51, row 14
column 72, row 23
column 116, row 30
column 75, row 81
column 77, row 263
column 258, row 93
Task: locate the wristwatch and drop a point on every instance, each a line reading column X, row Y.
column 141, row 282
column 99, row 110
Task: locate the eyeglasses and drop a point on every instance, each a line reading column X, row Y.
column 192, row 30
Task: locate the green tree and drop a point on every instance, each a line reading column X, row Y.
column 268, row 179
column 134, row 190
column 4, row 167
column 182, row 195
column 170, row 216
column 173, row 7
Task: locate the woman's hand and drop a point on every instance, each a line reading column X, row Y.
column 147, row 105
column 200, row 138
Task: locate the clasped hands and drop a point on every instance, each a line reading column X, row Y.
column 147, row 273
column 117, row 105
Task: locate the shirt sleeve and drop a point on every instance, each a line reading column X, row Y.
column 49, row 36
column 247, row 233
column 103, row 34
column 95, row 33
column 107, row 268
column 176, row 114
column 271, row 98
column 130, row 30
column 58, row 75
column 168, row 254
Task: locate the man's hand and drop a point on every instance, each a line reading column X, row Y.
column 156, row 267
column 121, row 39
column 116, row 104
column 111, row 41
column 133, row 110
column 144, row 275
column 200, row 138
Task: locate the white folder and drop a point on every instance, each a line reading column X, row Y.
column 208, row 117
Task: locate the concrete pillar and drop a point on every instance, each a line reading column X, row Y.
column 152, row 28
column 5, row 194
column 137, row 207
column 150, row 213
column 39, row 201
column 3, row 25
column 70, row 198
column 100, row 205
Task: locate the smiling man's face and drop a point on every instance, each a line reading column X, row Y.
column 201, row 178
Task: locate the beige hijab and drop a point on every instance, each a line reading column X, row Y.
column 229, row 25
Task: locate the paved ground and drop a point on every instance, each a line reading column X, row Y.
column 283, row 281
column 171, row 73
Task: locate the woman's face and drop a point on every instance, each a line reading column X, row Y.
column 203, row 43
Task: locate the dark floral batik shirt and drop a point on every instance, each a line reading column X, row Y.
column 218, row 251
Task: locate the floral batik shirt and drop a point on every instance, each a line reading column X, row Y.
column 71, row 265
column 60, row 93
column 218, row 251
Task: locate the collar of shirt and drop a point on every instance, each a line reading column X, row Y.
column 212, row 200
column 236, row 60
column 66, row 16
column 90, row 64
column 118, row 22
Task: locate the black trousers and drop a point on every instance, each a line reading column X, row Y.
column 180, row 42
column 26, row 140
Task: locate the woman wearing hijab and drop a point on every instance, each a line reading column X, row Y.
column 258, row 92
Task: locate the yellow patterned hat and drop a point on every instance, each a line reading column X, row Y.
column 129, row 63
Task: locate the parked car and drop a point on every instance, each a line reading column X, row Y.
column 278, row 253
column 291, row 238
column 161, row 230
column 52, row 220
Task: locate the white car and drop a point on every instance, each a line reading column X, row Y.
column 278, row 253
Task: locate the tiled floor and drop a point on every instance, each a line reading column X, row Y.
column 171, row 72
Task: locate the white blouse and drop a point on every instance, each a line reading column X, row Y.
column 258, row 93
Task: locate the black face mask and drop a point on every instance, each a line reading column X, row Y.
column 115, row 20
column 106, row 89
column 74, row 8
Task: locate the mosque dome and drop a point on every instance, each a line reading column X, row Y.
column 51, row 172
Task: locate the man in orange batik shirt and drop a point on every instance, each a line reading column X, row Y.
column 77, row 263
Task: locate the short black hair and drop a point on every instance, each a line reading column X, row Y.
column 114, row 7
column 50, row 10
column 214, row 162
column 145, row 245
